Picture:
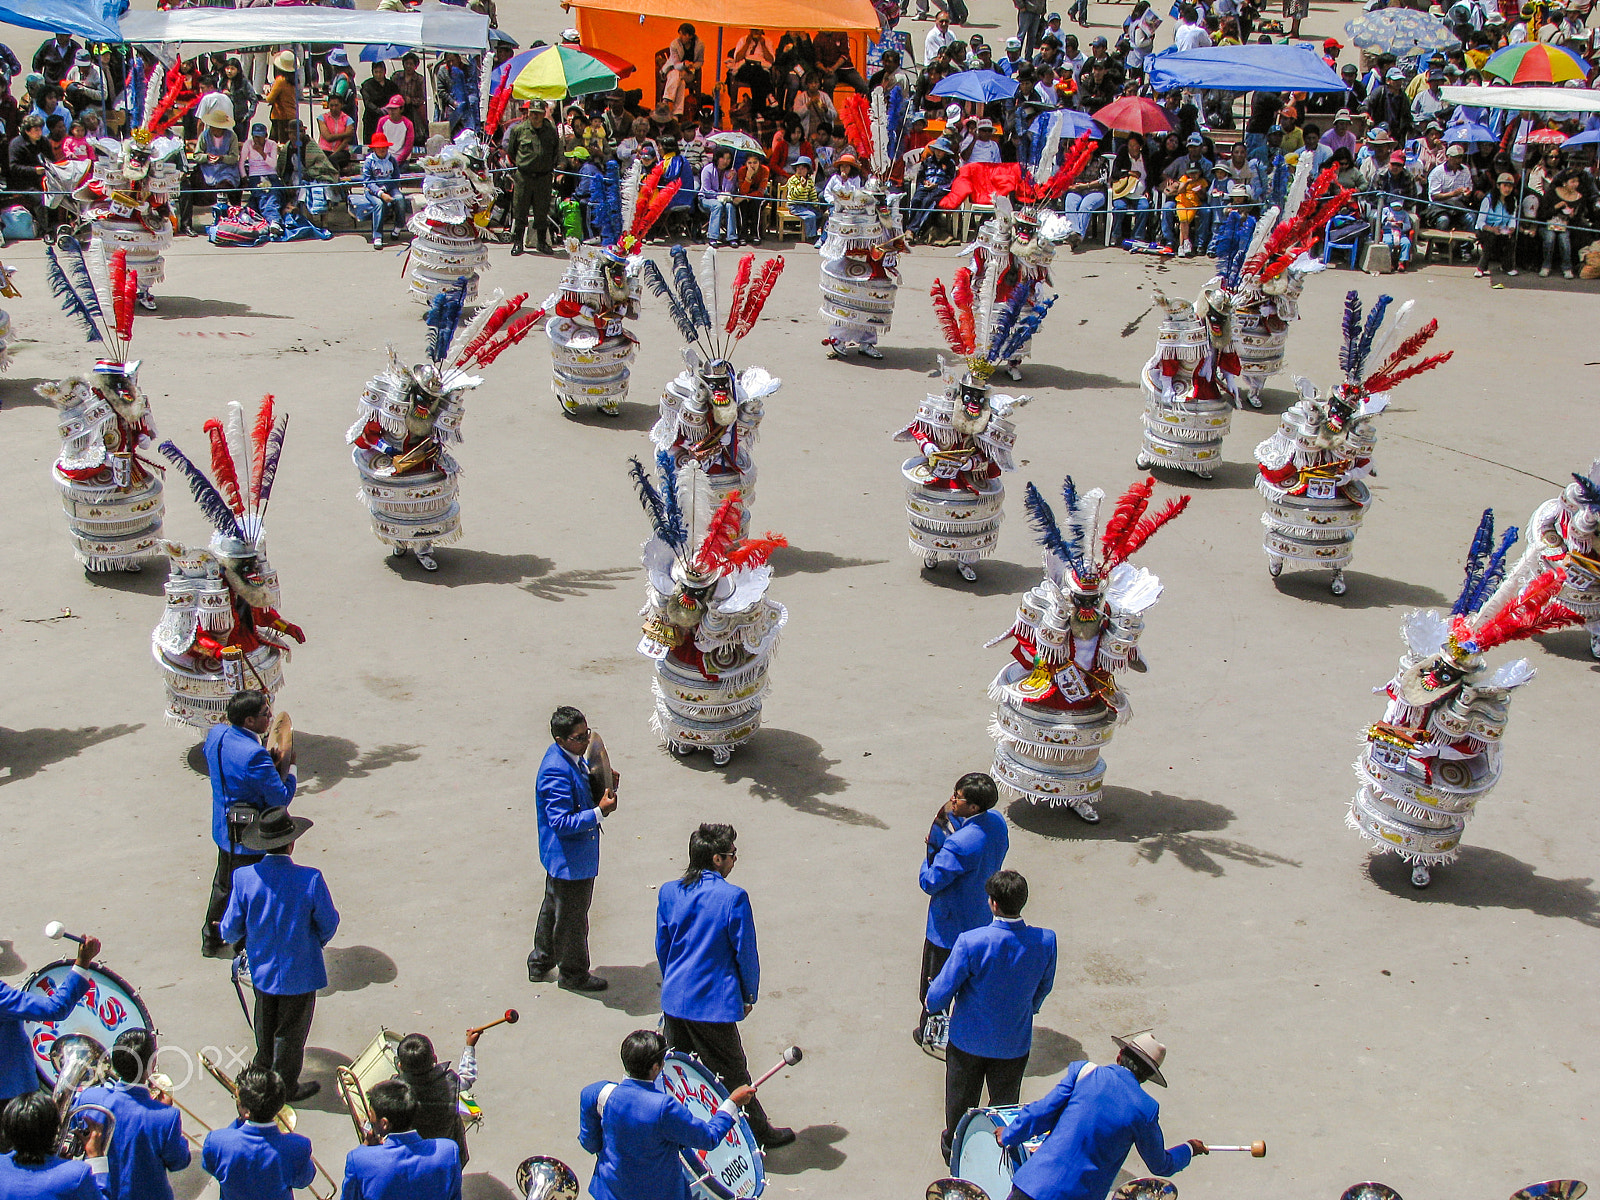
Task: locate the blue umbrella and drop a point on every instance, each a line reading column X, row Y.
column 383, row 52
column 980, row 87
column 1589, row 137
column 1074, row 123
column 1469, row 133
column 499, row 37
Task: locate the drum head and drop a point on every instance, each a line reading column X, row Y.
column 1146, row 1189
column 974, row 1154
column 1370, row 1191
column 731, row 1171
column 106, row 1009
column 1553, row 1189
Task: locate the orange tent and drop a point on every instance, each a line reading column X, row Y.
column 638, row 29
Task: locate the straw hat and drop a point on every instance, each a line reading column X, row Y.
column 284, row 61
column 215, row 110
column 1147, row 1050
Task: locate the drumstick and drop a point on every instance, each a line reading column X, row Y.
column 791, row 1056
column 55, row 931
column 511, row 1018
column 1256, row 1149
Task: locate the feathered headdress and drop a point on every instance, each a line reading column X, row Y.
column 985, row 343
column 874, row 127
column 1484, row 617
column 89, row 287
column 498, row 326
column 1047, row 182
column 244, row 467
column 641, row 201
column 704, row 538
column 692, row 302
column 1128, row 529
column 1301, row 225
column 1366, row 339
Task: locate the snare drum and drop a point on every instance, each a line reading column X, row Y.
column 975, row 1155
column 731, row 1171
column 109, row 1006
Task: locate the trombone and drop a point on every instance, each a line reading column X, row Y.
column 355, row 1099
column 285, row 1120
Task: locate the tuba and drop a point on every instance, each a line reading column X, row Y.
column 544, row 1178
column 955, row 1189
column 80, row 1062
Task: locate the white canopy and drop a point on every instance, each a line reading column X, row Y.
column 1533, row 99
column 435, row 28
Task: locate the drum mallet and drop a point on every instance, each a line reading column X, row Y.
column 511, row 1018
column 791, row 1056
column 55, row 931
column 1256, row 1149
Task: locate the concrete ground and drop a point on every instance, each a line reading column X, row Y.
column 1442, row 1041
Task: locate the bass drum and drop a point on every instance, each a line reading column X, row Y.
column 976, row 1157
column 109, row 1006
column 731, row 1171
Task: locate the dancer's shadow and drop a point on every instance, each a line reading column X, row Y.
column 1052, row 1052
column 1571, row 644
column 19, row 393
column 996, row 577
column 565, row 585
column 1365, row 591
column 26, row 752
column 790, row 560
column 351, row 968
column 183, row 308
column 812, row 1150
column 1484, row 878
column 1225, row 476
column 634, row 990
column 790, row 768
column 10, row 962
column 1154, row 823
column 151, row 581
column 1048, row 375
column 1276, row 401
column 324, row 761
column 461, row 567
column 636, row 418
column 319, row 1065
column 484, row 1186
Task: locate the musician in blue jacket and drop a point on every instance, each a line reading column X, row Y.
column 568, row 817
column 1092, row 1118
column 32, row 1171
column 242, row 772
column 996, row 977
column 636, row 1130
column 966, row 844
column 18, row 1072
column 403, row 1165
column 287, row 915
column 710, row 970
column 252, row 1158
column 149, row 1139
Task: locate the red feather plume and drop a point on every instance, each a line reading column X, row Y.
column 1532, row 612
column 127, row 288
column 222, row 467
column 1126, row 515
column 1145, row 529
column 753, row 552
column 497, row 108
column 492, row 326
column 1072, row 166
column 258, row 438
column 1314, row 213
column 961, row 297
column 174, row 105
column 1407, row 348
column 645, row 217
column 721, row 534
column 741, row 280
column 756, row 296
column 517, row 329
column 855, row 116
column 947, row 319
column 1385, row 380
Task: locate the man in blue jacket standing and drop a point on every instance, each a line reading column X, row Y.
column 243, row 773
column 997, row 977
column 1093, row 1117
column 710, row 970
column 18, row 1073
column 966, row 845
column 568, row 817
column 401, row 1165
column 252, row 1158
column 637, row 1130
column 149, row 1139
column 285, row 911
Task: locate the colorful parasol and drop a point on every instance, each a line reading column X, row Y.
column 739, row 143
column 616, row 62
column 1399, row 31
column 1536, row 62
column 1135, row 114
column 551, row 72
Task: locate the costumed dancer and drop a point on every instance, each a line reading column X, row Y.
column 1266, row 292
column 221, row 632
column 1312, row 470
column 1012, row 247
column 1191, row 383
column 1059, row 703
column 709, row 416
column 127, row 200
column 408, row 416
column 1436, row 752
column 447, row 245
column 590, row 349
column 112, row 495
column 1562, row 533
column 954, row 496
column 865, row 235
column 709, row 627
column 10, row 291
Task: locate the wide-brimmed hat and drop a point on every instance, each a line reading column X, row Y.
column 379, row 141
column 1142, row 1046
column 1342, row 115
column 1378, row 135
column 847, row 158
column 215, row 111
column 273, row 829
column 337, row 57
column 284, row 60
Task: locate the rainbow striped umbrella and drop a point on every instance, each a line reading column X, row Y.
column 1536, row 62
column 551, row 72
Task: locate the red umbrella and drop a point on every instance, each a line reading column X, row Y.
column 1547, row 137
column 1135, row 114
column 620, row 66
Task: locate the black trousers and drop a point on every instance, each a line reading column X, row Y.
column 964, row 1078
column 716, row 1044
column 561, row 937
column 933, row 960
column 282, row 1025
column 221, row 889
column 532, row 192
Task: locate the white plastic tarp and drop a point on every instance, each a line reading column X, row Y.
column 443, row 28
column 1531, row 99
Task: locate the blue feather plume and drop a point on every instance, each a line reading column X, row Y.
column 1069, row 494
column 205, row 493
column 677, row 528
column 649, row 498
column 438, row 343
column 1020, row 295
column 694, row 301
column 70, row 251
column 1495, row 572
column 269, row 462
column 1477, row 556
column 1223, row 235
column 895, row 113
column 1279, row 190
column 1044, row 523
column 657, row 282
column 611, row 205
column 71, row 302
column 1232, row 267
column 1369, row 333
column 1024, row 329
column 1352, row 335
column 1587, row 490
column 661, row 504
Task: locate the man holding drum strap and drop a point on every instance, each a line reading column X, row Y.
column 997, row 977
column 966, row 845
column 1093, row 1117
column 710, row 969
column 18, row 1073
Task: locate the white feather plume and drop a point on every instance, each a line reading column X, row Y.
column 1511, row 675
column 1390, row 337
column 470, row 330
column 1298, row 186
column 879, row 154
column 629, row 193
column 239, row 451
column 707, row 275
column 1263, row 231
column 983, row 305
column 696, row 501
column 1046, row 166
column 1088, row 515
